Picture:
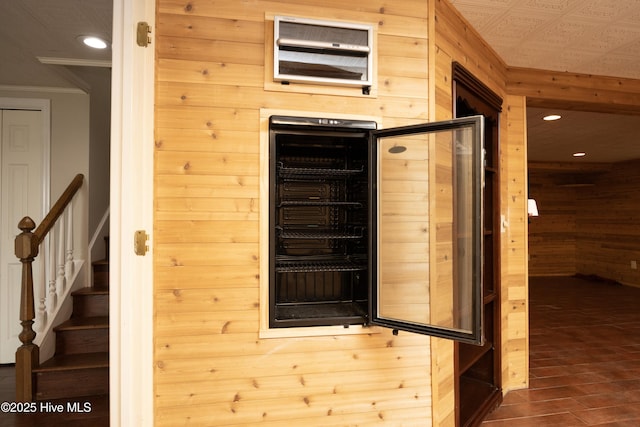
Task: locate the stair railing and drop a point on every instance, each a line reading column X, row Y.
column 27, row 246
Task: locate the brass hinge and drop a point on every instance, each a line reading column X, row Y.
column 140, row 239
column 143, row 37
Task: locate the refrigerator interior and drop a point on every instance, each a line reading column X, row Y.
column 319, row 227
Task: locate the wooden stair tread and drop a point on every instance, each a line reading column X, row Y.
column 91, row 291
column 80, row 366
column 98, row 322
column 68, row 362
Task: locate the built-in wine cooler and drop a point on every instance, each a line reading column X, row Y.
column 320, row 224
column 352, row 214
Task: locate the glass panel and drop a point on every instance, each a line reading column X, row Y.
column 404, row 242
column 429, row 237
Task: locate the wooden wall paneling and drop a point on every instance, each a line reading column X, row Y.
column 190, row 186
column 172, row 278
column 187, row 231
column 193, row 26
column 254, row 10
column 203, row 95
column 515, row 284
column 206, row 392
column 171, row 346
column 207, row 118
column 175, row 70
column 575, row 91
column 247, row 10
column 195, row 49
column 210, row 364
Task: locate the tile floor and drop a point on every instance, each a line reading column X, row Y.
column 584, row 357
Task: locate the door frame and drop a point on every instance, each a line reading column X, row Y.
column 131, row 200
column 483, row 100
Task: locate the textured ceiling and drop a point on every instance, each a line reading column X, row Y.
column 584, row 36
column 599, row 37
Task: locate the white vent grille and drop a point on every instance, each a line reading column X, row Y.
column 322, row 52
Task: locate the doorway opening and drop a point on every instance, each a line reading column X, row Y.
column 582, row 274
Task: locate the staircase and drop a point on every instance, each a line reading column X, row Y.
column 79, row 369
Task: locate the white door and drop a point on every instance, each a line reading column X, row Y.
column 21, row 193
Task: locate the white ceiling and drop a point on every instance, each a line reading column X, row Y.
column 583, row 36
column 605, row 138
column 47, row 29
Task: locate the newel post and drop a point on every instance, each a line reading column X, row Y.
column 28, row 354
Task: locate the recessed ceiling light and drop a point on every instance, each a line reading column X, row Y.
column 579, row 154
column 552, row 117
column 94, row 42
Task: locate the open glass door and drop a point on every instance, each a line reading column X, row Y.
column 426, row 222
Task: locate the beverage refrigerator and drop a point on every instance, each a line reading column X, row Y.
column 376, row 226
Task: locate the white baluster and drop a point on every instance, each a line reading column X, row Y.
column 69, row 240
column 51, row 264
column 61, row 280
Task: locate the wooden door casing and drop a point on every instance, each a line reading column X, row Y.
column 478, row 368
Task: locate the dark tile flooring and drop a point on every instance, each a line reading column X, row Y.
column 584, row 357
column 96, row 413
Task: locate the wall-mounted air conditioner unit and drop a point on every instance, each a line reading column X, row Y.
column 323, row 52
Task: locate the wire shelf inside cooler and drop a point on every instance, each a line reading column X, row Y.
column 316, row 172
column 315, row 233
column 346, row 204
column 301, row 264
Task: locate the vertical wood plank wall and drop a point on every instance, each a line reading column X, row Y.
column 211, row 367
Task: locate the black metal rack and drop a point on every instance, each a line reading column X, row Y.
column 321, row 234
column 319, row 225
column 318, row 264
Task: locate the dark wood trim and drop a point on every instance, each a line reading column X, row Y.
column 478, row 369
column 59, row 207
column 463, row 76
